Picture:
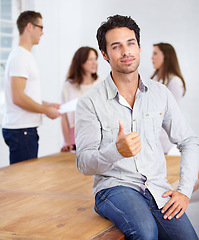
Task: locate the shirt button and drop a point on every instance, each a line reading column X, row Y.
column 25, row 133
column 147, row 184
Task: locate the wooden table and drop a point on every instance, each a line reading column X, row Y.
column 48, row 199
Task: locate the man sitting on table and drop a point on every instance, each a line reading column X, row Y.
column 118, row 124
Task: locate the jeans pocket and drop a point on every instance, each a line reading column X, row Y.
column 31, row 138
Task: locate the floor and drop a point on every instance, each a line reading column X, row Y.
column 193, row 211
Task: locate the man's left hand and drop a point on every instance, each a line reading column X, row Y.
column 176, row 206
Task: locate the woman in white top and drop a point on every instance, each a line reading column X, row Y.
column 167, row 71
column 82, row 75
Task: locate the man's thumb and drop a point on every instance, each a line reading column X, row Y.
column 121, row 128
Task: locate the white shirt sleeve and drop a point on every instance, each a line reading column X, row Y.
column 176, row 87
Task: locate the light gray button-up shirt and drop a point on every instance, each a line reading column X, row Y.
column 96, row 130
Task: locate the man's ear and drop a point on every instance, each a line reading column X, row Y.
column 105, row 56
column 29, row 26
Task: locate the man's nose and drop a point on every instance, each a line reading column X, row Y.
column 125, row 51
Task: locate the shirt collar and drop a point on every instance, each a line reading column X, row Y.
column 113, row 91
column 143, row 86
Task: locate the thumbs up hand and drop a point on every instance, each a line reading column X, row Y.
column 127, row 145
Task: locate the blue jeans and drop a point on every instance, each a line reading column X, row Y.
column 138, row 216
column 23, row 143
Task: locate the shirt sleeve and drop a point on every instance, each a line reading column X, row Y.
column 19, row 66
column 91, row 159
column 181, row 134
column 176, row 87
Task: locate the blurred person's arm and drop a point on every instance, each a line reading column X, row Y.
column 25, row 102
column 65, row 130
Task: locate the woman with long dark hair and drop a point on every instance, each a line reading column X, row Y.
column 82, row 75
column 167, row 71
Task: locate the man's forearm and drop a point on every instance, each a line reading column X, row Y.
column 28, row 104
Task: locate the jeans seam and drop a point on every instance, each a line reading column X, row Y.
column 157, row 218
column 162, row 226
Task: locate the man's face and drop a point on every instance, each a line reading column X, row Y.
column 37, row 31
column 123, row 52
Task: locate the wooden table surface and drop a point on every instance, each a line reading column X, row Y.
column 48, row 199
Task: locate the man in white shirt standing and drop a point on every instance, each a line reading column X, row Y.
column 118, row 124
column 23, row 104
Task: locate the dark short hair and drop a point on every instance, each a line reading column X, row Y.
column 76, row 71
column 112, row 22
column 25, row 18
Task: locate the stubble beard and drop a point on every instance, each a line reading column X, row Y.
column 127, row 70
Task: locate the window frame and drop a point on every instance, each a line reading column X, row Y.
column 14, row 7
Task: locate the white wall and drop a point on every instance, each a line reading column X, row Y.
column 69, row 25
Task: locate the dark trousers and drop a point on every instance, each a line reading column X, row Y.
column 23, row 143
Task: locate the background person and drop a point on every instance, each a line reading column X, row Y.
column 167, row 71
column 81, row 77
column 23, row 104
